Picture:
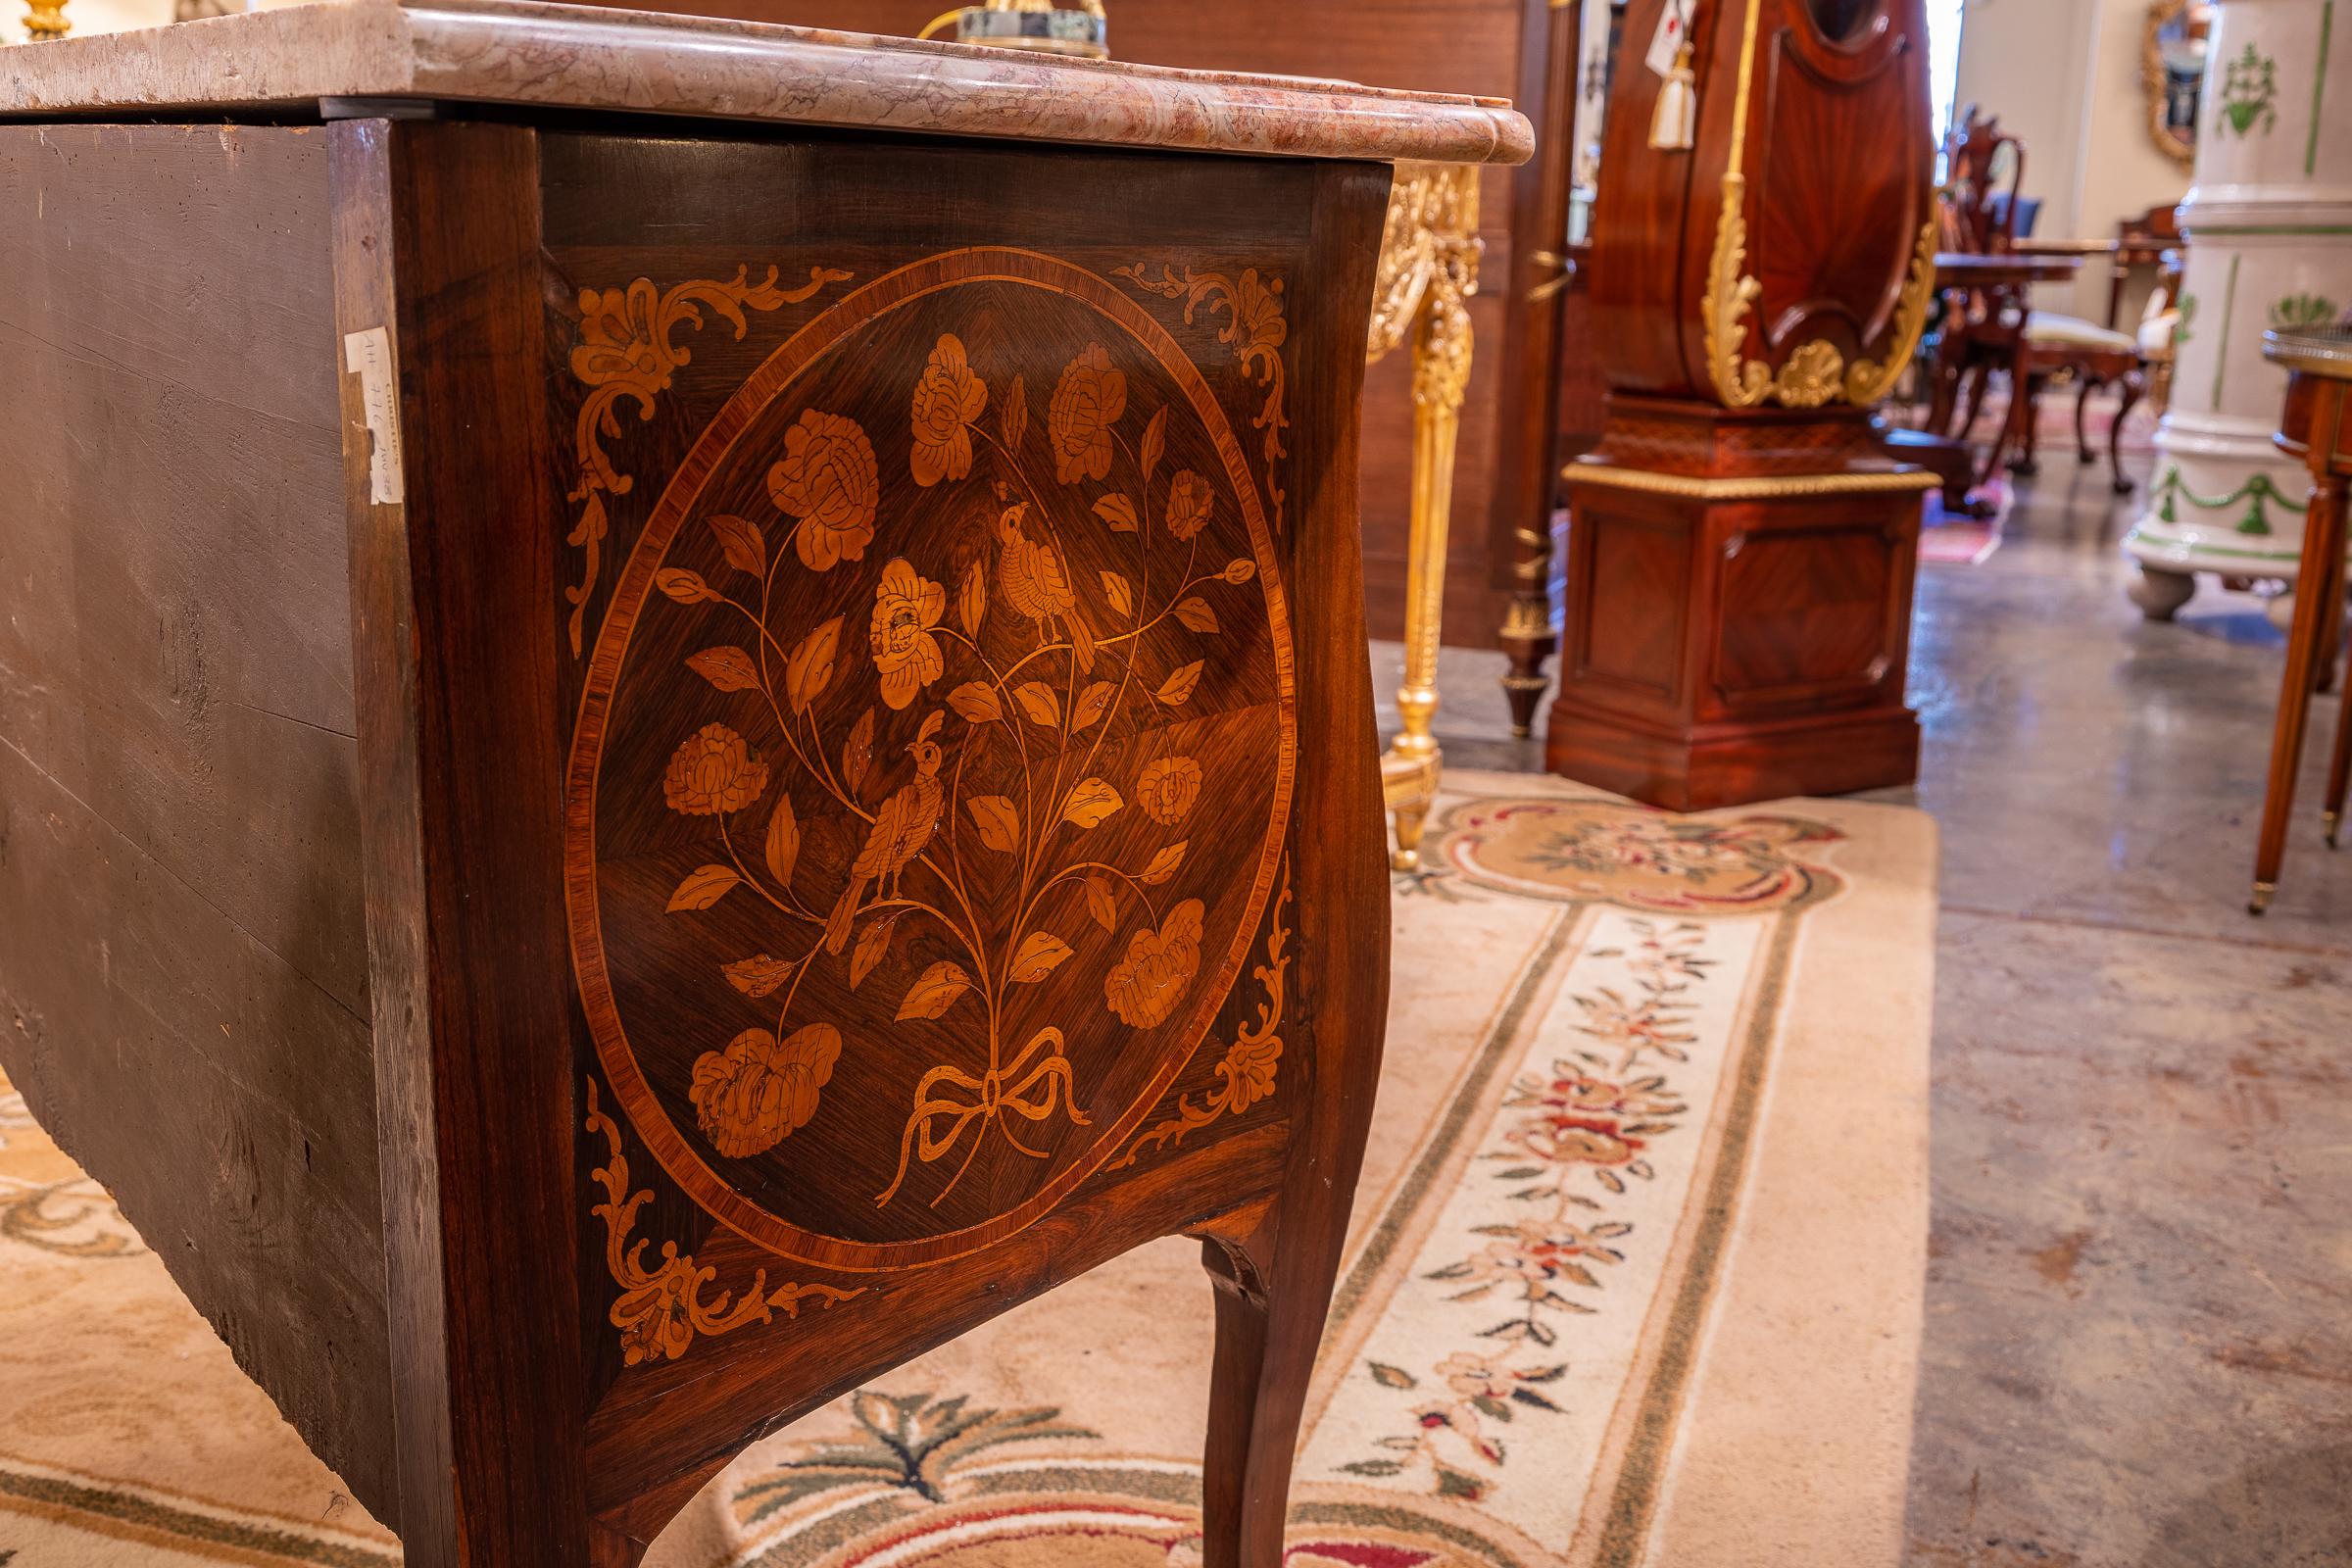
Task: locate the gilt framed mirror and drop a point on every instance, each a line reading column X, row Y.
column 2173, row 73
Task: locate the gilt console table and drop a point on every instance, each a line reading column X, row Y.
column 1428, row 270
column 682, row 706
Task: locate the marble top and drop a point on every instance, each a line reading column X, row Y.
column 589, row 58
column 2325, row 351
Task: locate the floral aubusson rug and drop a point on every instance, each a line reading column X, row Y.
column 1635, row 1273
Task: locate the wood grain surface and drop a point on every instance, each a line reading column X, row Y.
column 183, row 966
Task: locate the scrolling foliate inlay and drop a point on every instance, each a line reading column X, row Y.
column 660, row 1309
column 933, row 765
column 625, row 351
column 1255, row 329
column 1246, row 1072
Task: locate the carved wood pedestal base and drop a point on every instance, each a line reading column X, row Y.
column 1739, row 604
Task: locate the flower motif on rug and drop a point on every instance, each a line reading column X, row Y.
column 1572, row 1139
column 1641, row 858
column 951, row 1484
column 45, row 1202
column 14, row 1117
column 72, row 1218
column 910, row 1444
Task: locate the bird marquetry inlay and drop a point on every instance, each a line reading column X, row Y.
column 933, row 766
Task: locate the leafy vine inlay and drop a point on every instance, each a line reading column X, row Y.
column 625, row 351
column 1246, row 1075
column 1038, row 656
column 661, row 1309
column 1254, row 331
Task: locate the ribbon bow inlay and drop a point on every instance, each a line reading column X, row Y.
column 1033, row 1085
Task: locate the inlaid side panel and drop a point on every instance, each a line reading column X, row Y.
column 183, row 987
column 1621, row 639
column 904, row 712
column 944, row 624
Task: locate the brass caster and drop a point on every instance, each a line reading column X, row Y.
column 2329, row 823
column 1404, row 860
column 1523, row 732
column 2264, row 892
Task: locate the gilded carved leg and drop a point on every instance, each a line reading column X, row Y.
column 45, row 19
column 1409, row 770
column 1428, row 271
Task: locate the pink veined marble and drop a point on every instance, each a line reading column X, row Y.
column 575, row 57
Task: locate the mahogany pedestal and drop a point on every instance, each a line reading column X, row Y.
column 1739, row 604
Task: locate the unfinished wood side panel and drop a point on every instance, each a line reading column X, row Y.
column 178, row 844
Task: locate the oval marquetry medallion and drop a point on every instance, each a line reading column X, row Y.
column 933, row 767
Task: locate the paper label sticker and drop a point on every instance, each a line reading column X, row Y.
column 1674, row 26
column 369, row 356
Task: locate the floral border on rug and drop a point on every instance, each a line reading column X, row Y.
column 1579, row 849
column 1575, row 1133
column 924, row 1479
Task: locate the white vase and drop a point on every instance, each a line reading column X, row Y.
column 2268, row 229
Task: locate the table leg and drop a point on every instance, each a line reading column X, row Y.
column 2026, row 425
column 2331, row 629
column 2134, row 382
column 1410, row 767
column 2323, row 544
column 1528, row 638
column 1979, row 379
column 1432, row 245
column 2021, row 405
column 2339, row 769
column 1946, row 373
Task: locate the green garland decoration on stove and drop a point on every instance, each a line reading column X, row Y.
column 2256, row 492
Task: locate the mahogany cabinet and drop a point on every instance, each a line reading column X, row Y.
column 674, row 722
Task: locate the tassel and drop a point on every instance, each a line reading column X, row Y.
column 1675, row 125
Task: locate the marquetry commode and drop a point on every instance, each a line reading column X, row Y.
column 685, row 707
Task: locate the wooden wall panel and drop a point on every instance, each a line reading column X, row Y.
column 178, row 824
column 1464, row 46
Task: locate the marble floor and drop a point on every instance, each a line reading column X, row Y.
column 2138, row 1347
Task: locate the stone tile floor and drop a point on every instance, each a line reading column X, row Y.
column 2138, row 1347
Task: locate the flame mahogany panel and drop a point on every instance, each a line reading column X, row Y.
column 1835, row 153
